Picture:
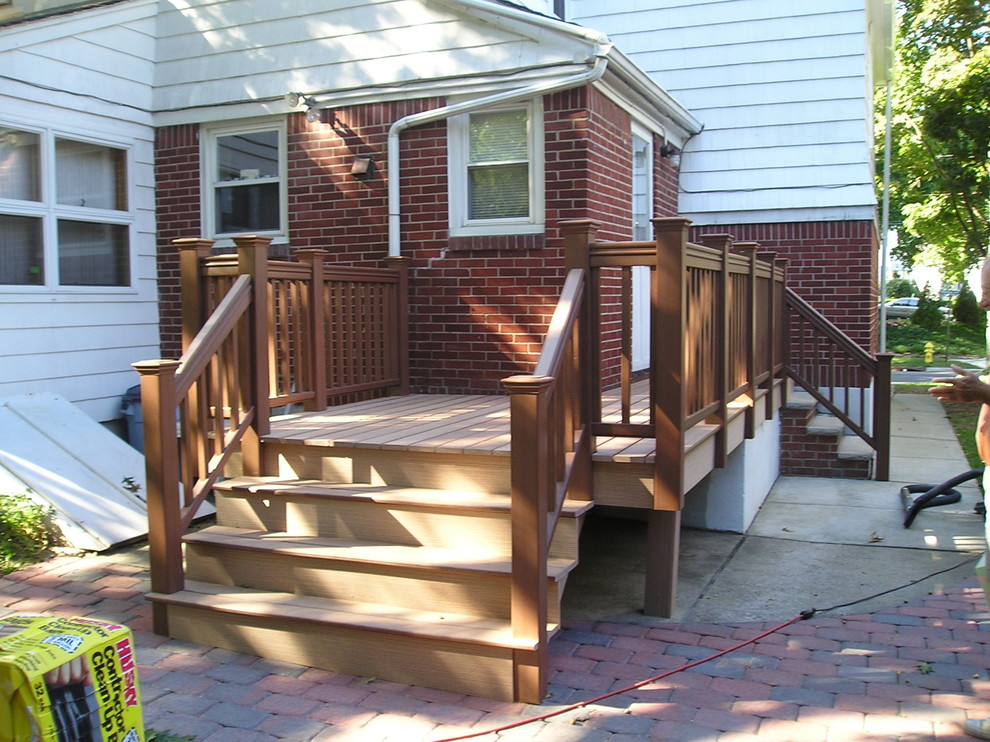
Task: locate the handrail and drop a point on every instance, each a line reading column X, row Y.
column 838, row 374
column 550, row 461
column 256, row 332
column 217, row 328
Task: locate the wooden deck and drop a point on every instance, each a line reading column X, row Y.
column 445, row 423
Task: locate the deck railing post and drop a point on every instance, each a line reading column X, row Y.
column 722, row 243
column 579, row 236
column 316, row 314
column 669, row 304
column 252, row 260
column 778, row 332
column 161, row 453
column 748, row 250
column 192, row 287
column 773, row 322
column 531, row 489
column 668, row 297
column 401, row 319
column 881, row 415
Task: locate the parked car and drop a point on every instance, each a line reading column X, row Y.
column 906, row 306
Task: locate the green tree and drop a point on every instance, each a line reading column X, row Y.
column 927, row 314
column 966, row 310
column 940, row 185
column 898, row 287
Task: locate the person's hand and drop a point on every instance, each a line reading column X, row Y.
column 965, row 387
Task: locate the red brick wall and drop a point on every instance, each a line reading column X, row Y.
column 832, row 265
column 479, row 306
column 177, row 203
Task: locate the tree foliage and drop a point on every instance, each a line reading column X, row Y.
column 940, row 186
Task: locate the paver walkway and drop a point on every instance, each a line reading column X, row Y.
column 913, row 673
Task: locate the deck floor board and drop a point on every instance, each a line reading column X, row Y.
column 444, row 423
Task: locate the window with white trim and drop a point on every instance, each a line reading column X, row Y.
column 496, row 171
column 65, row 218
column 245, row 175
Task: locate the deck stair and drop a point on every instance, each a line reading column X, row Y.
column 399, row 580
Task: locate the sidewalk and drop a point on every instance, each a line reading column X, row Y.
column 911, row 669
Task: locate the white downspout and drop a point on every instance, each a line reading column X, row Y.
column 437, row 114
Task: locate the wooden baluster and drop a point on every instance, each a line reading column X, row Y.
column 721, row 242
column 316, row 341
column 161, row 453
column 252, row 260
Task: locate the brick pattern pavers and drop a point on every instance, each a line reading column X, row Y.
column 910, row 673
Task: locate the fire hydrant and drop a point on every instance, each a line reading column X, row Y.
column 929, row 351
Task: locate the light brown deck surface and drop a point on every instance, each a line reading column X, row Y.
column 450, row 423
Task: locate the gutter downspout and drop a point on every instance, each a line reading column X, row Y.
column 437, row 114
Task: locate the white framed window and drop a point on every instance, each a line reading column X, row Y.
column 244, row 177
column 496, row 171
column 65, row 213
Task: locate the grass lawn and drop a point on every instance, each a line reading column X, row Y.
column 907, row 342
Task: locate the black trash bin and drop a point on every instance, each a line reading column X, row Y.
column 135, row 419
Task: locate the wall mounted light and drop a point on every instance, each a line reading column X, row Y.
column 671, row 153
column 297, row 99
column 362, row 167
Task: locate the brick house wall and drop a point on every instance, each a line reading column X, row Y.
column 479, row 306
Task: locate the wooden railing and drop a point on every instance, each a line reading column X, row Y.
column 715, row 329
column 551, row 461
column 843, row 378
column 256, row 334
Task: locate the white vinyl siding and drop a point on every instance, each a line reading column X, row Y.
column 79, row 341
column 783, row 90
column 222, row 60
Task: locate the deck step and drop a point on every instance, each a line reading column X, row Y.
column 412, row 577
column 402, row 516
column 458, row 653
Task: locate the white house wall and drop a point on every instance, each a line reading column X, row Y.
column 64, row 74
column 223, row 52
column 783, row 90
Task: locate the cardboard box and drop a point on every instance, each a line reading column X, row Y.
column 68, row 680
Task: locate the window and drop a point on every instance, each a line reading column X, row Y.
column 64, row 213
column 496, row 172
column 245, row 167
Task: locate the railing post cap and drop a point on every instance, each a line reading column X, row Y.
column 156, row 367
column 247, row 240
column 670, row 223
column 193, row 243
column 523, row 384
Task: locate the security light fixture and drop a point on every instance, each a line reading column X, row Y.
column 671, row 153
column 361, row 167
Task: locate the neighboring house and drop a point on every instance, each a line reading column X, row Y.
column 77, row 223
column 785, row 94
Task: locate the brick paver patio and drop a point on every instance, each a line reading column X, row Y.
column 913, row 673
